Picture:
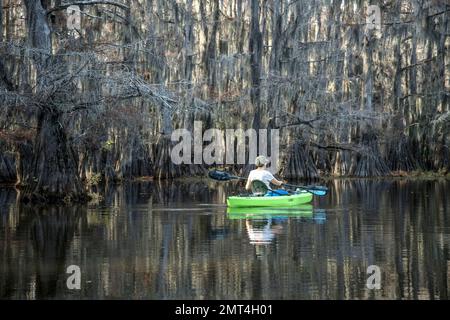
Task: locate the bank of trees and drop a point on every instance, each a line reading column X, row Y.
column 99, row 103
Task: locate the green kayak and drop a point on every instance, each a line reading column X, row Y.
column 303, row 211
column 263, row 201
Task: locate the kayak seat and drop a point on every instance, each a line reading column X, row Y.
column 259, row 188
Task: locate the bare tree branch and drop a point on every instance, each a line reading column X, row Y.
column 87, row 3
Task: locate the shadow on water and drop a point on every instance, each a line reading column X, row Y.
column 177, row 240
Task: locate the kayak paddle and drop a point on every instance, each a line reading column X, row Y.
column 225, row 176
column 317, row 190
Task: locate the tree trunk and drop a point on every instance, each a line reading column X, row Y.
column 52, row 175
column 189, row 44
column 164, row 168
column 299, row 164
column 7, row 170
column 368, row 162
column 255, row 48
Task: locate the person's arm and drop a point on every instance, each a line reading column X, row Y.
column 273, row 180
column 276, row 182
column 248, row 184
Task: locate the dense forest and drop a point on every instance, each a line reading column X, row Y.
column 98, row 102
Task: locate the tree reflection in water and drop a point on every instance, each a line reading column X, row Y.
column 38, row 242
column 176, row 241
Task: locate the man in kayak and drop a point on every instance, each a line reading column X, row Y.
column 262, row 174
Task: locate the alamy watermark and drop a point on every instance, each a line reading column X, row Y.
column 73, row 17
column 374, row 280
column 229, row 146
column 74, row 280
column 373, row 17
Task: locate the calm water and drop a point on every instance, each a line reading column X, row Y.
column 177, row 241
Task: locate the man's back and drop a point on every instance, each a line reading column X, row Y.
column 262, row 175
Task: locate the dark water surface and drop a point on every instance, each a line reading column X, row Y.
column 177, row 241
